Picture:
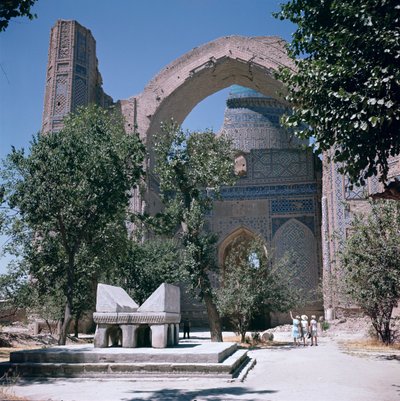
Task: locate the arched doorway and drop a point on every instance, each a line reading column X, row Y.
column 241, row 234
column 239, row 253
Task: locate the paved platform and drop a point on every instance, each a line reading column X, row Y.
column 187, row 359
column 282, row 373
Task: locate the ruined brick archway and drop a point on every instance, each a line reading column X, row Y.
column 180, row 86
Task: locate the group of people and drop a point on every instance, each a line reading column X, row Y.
column 303, row 330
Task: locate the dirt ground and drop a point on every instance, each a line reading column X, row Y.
column 348, row 365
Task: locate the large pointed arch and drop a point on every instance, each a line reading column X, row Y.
column 180, row 86
column 295, row 239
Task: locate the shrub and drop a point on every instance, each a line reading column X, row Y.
column 325, row 326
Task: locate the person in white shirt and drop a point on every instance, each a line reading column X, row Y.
column 304, row 326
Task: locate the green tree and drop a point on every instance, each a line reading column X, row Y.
column 149, row 264
column 252, row 282
column 191, row 169
column 15, row 8
column 371, row 261
column 15, row 288
column 69, row 196
column 345, row 89
column 103, row 260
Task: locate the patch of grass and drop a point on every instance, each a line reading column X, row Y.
column 8, row 381
column 370, row 345
column 325, row 325
column 5, row 352
column 7, row 394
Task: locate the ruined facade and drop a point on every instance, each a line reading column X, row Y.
column 339, row 204
column 278, row 195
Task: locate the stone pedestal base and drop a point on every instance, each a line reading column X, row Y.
column 126, row 334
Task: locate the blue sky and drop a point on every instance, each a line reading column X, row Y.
column 135, row 40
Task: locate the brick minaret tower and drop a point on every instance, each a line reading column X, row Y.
column 72, row 78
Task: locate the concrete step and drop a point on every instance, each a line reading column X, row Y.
column 43, row 363
column 182, row 353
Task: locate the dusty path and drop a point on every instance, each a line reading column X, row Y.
column 323, row 373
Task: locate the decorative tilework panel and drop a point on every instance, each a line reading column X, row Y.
column 277, row 222
column 80, row 70
column 65, row 40
column 288, row 206
column 258, row 225
column 325, row 234
column 374, row 185
column 356, row 193
column 60, row 99
column 296, row 239
column 339, row 203
column 80, row 92
column 63, row 67
column 266, row 191
column 281, row 164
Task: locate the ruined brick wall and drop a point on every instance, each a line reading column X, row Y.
column 339, row 204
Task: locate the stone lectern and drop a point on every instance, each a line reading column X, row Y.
column 119, row 320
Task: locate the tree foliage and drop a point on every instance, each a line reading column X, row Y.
column 371, row 259
column 69, row 197
column 253, row 282
column 15, row 288
column 150, row 264
column 345, row 90
column 15, row 8
column 191, row 169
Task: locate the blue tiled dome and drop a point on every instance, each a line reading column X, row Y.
column 237, row 91
column 252, row 121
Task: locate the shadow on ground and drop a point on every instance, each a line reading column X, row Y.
column 281, row 346
column 212, row 394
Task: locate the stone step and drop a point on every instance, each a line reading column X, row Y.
column 182, row 353
column 186, row 359
column 227, row 369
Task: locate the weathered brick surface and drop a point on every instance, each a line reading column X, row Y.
column 72, row 77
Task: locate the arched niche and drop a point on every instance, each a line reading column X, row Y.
column 240, row 233
column 180, row 86
column 240, row 165
column 297, row 240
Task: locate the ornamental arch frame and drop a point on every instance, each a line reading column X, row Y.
column 224, row 245
column 306, row 241
column 236, row 233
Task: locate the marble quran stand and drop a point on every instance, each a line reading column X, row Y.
column 120, row 321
